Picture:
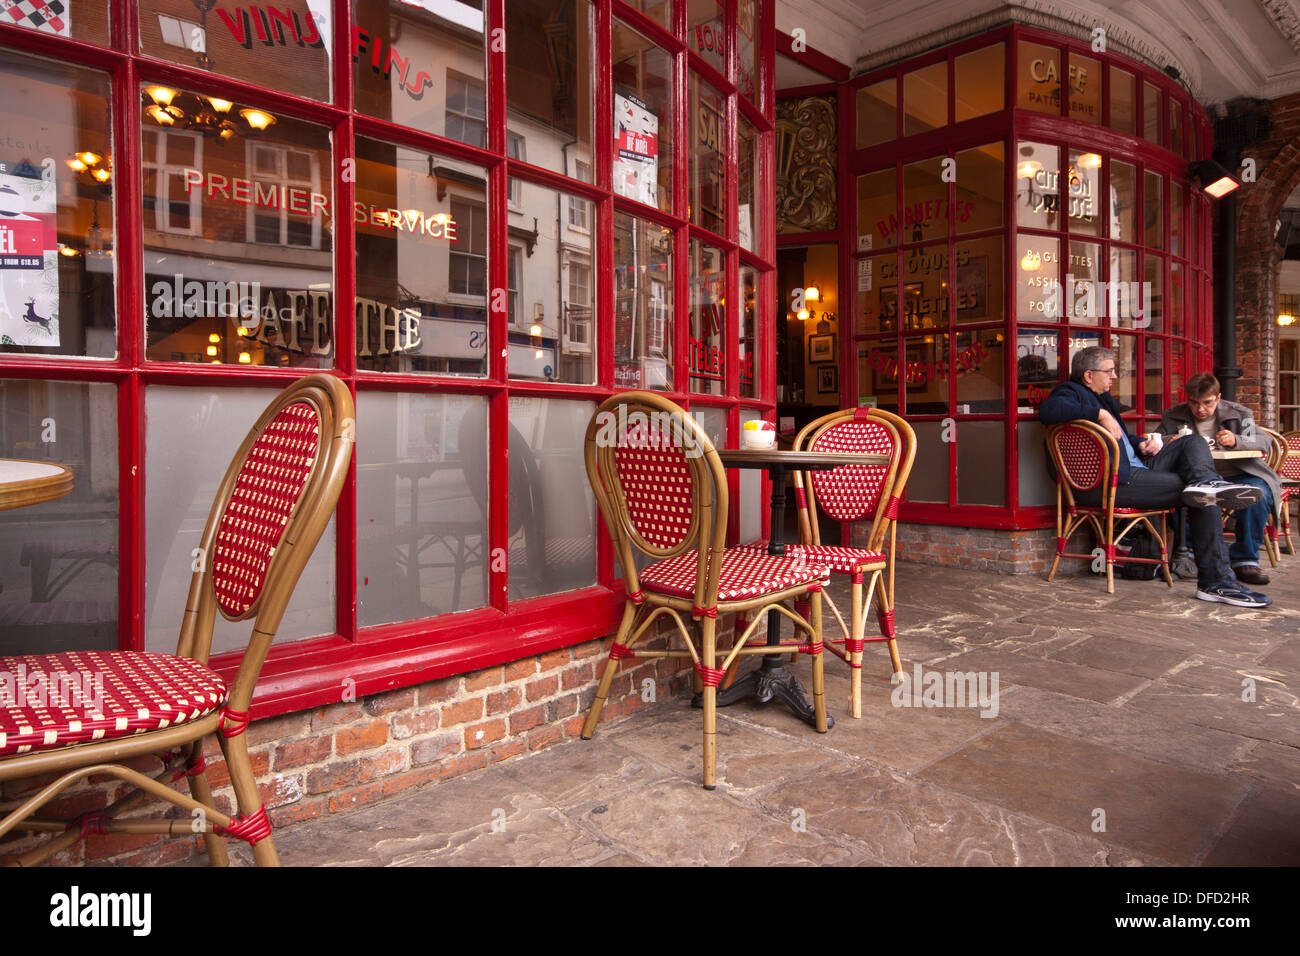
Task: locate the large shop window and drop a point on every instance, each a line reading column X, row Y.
column 643, row 304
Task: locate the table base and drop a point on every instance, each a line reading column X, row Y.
column 771, row 680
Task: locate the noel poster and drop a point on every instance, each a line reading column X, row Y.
column 636, row 150
column 29, row 268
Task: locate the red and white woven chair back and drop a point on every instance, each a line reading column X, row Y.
column 1291, row 464
column 658, row 489
column 267, row 489
column 852, row 492
column 1081, row 458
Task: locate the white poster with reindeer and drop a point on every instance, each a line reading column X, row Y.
column 29, row 262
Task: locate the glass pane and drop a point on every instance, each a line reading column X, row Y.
column 877, row 113
column 1123, row 201
column 1036, row 488
column 59, row 559
column 1125, row 388
column 1151, row 113
column 708, row 167
column 1038, row 355
column 978, row 364
column 422, row 504
column 421, row 230
column 705, row 31
column 750, row 354
column 1038, row 277
column 925, row 374
column 552, row 331
column 1084, row 211
column 925, row 289
column 660, row 11
column 1123, row 112
column 191, row 436
column 1039, row 78
column 1085, row 88
column 1038, row 201
column 980, row 82
column 56, row 232
column 707, row 358
column 749, row 17
column 878, row 374
column 643, row 304
column 977, row 279
column 925, row 99
column 52, row 17
column 1084, row 294
column 1177, row 300
column 238, row 245
column 980, row 188
column 1176, row 218
column 929, row 480
column 1124, row 301
column 1178, row 370
column 749, row 211
column 878, row 293
column 877, row 210
column 1175, row 126
column 285, row 48
column 1152, row 317
column 643, row 120
column 925, row 201
column 1079, row 341
column 1153, row 209
column 981, row 463
column 552, row 508
column 1155, row 382
column 550, row 76
column 426, row 66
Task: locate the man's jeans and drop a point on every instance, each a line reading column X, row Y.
column 1250, row 524
column 1181, row 462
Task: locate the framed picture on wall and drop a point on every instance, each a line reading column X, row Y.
column 828, row 380
column 821, row 348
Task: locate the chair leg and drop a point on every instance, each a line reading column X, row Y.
column 247, row 796
column 857, row 625
column 885, row 615
column 708, row 658
column 607, row 678
column 819, row 688
column 201, row 791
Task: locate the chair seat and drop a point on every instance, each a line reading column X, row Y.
column 129, row 693
column 744, row 574
column 840, row 560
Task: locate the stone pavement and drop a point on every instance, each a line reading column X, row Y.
column 1125, row 734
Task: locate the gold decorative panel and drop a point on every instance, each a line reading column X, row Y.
column 805, row 165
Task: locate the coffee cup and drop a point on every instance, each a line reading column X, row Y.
column 758, row 434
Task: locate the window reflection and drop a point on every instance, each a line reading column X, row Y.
column 708, row 166
column 708, row 337
column 643, row 304
column 550, row 78
column 643, row 120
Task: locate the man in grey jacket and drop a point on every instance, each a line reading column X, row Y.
column 1231, row 426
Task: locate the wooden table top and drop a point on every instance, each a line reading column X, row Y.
column 1224, row 454
column 25, row 482
column 768, row 457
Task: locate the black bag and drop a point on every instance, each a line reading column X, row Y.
column 1141, row 545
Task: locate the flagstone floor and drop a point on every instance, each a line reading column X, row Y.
column 1142, row 728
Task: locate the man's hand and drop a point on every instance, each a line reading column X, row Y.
column 1225, row 439
column 1107, row 421
column 1149, row 447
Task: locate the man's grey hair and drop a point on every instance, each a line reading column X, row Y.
column 1089, row 360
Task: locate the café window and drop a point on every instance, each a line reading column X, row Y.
column 549, row 74
column 708, row 323
column 466, row 110
column 706, row 156
column 643, row 120
column 166, row 155
column 643, row 277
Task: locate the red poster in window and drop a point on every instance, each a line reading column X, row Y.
column 29, row 267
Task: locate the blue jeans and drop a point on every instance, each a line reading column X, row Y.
column 1250, row 523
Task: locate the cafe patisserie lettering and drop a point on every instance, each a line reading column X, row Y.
column 305, row 202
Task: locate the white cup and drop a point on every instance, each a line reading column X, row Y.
column 1156, row 439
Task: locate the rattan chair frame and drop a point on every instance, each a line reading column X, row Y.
column 1289, row 469
column 706, row 534
column 882, row 537
column 1278, row 526
column 182, row 744
column 1071, row 516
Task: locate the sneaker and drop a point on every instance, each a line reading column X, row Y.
column 1225, row 494
column 1234, row 594
column 1250, row 574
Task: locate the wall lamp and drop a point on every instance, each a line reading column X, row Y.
column 1215, row 178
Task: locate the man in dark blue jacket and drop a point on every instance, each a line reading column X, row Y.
column 1178, row 471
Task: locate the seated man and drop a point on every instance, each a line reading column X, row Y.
column 1180, row 471
column 1231, row 426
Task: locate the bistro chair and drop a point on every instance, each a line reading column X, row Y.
column 1289, row 469
column 1086, row 457
column 1276, row 459
column 662, row 491
column 855, row 492
column 271, row 507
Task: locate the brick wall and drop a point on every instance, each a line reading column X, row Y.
column 333, row 758
column 984, row 549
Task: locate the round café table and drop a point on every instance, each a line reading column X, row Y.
column 772, row 679
column 25, row 482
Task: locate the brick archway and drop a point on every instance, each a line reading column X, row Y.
column 1259, row 259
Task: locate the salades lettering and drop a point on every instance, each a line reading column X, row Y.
column 77, row 909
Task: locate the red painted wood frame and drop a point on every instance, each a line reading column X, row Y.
column 1008, row 126
column 310, row 672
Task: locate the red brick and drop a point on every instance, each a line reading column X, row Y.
column 334, row 776
column 544, row 737
column 103, row 846
column 508, row 748
column 435, row 692
column 524, row 720
column 297, row 812
column 554, row 659
column 390, row 702
column 412, row 778
column 577, row 676
column 573, row 728
column 355, row 798
column 73, row 805
column 286, row 727
column 334, row 716
column 542, row 687
column 219, row 774
column 521, row 669
column 490, row 731
column 168, row 852
column 464, row 763
column 590, row 649
column 381, row 765
column 299, row 753
column 503, row 701
column 414, row 724
column 462, row 712
column 561, row 707
column 489, row 677
column 281, row 790
column 435, row 748
column 373, row 735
